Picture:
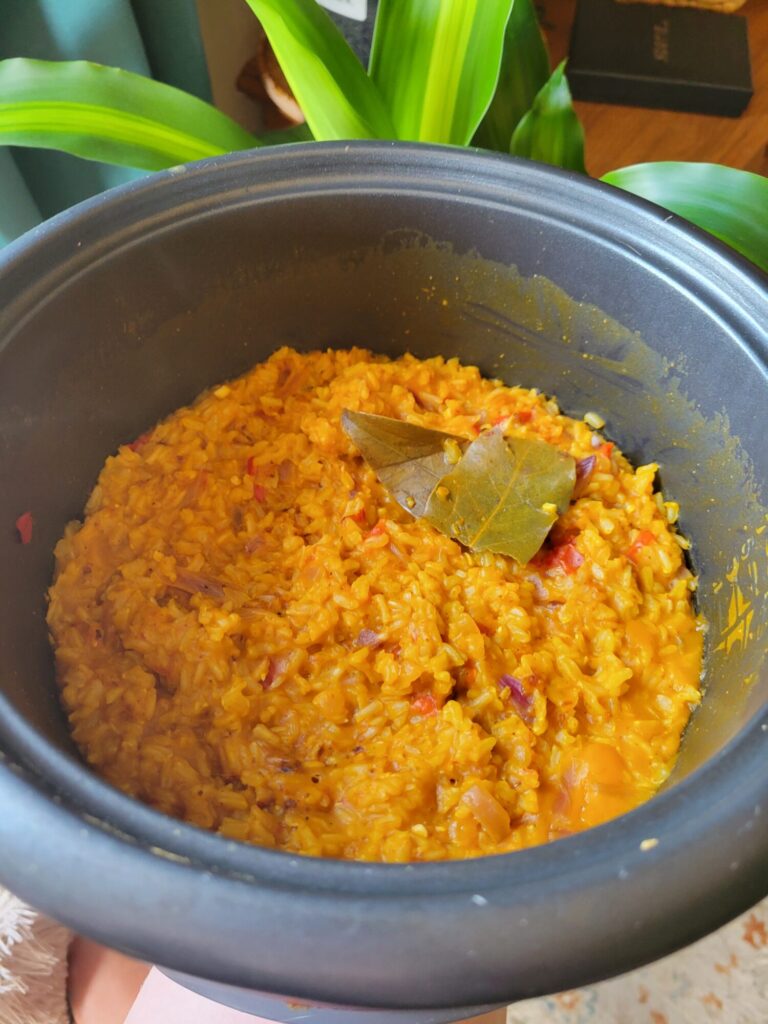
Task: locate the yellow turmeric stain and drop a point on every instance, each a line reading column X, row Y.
column 746, row 572
column 740, row 615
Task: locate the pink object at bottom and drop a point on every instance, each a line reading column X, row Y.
column 106, row 987
column 162, row 1001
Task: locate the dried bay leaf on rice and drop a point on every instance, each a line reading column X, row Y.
column 504, row 495
column 491, row 494
column 409, row 460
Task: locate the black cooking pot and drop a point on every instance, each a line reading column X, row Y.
column 119, row 311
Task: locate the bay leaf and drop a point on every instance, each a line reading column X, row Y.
column 409, row 460
column 503, row 495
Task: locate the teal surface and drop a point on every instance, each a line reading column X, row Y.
column 18, row 210
column 172, row 41
column 158, row 37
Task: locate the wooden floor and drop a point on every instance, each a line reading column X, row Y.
column 618, row 136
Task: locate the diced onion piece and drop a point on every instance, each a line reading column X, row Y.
column 522, row 701
column 584, row 470
column 488, row 812
column 368, row 638
column 194, row 583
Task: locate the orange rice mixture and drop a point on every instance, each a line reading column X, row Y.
column 253, row 636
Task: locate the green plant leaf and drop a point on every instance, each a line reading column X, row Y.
column 285, row 136
column 524, row 70
column 731, row 205
column 504, row 495
column 409, row 460
column 336, row 96
column 551, row 130
column 103, row 113
column 436, row 63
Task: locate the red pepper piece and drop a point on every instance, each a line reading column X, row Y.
column 250, row 466
column 641, row 541
column 569, row 558
column 565, row 556
column 425, row 704
column 24, row 527
column 259, row 492
column 606, row 449
column 379, row 528
column 525, row 416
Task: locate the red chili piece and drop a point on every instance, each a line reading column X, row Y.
column 259, row 492
column 24, row 527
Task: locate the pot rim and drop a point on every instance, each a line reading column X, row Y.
column 148, row 843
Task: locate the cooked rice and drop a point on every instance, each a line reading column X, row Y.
column 253, row 636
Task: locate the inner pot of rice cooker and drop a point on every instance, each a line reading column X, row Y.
column 126, row 307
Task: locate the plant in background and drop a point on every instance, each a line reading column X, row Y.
column 459, row 72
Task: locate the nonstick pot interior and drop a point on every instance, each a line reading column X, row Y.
column 118, row 312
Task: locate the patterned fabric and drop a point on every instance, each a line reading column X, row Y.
column 722, row 978
column 33, row 965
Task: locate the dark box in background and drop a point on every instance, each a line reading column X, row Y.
column 648, row 55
